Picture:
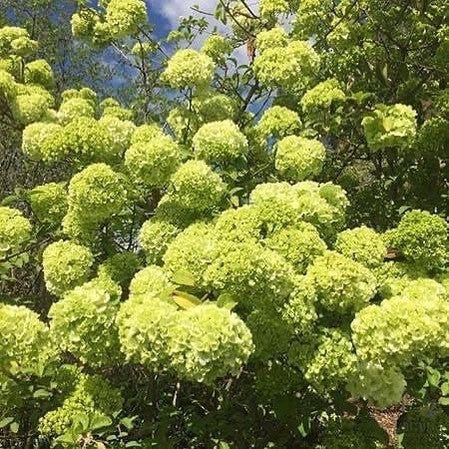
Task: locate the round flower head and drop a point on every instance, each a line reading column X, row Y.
column 380, row 386
column 220, row 142
column 39, row 72
column 196, row 187
column 273, row 7
column 146, row 133
column 49, row 202
column 276, row 37
column 96, row 192
column 66, row 265
column 124, row 17
column 15, row 230
column 120, row 267
column 287, row 67
column 75, row 108
column 8, row 85
column 30, row 108
column 390, row 126
column 188, row 68
column 341, row 284
column 278, row 122
column 363, row 245
column 322, row 96
column 300, row 245
column 83, row 323
column 254, row 275
column 217, row 47
column 190, row 252
column 25, row 346
column 214, row 107
column 151, row 281
column 299, row 158
column 118, row 112
column 404, row 329
column 153, row 162
column 422, row 238
column 154, row 237
column 120, row 132
column 219, row 343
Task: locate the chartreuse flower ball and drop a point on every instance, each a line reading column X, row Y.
column 363, row 245
column 37, row 141
column 188, row 68
column 207, row 342
column 15, row 230
column 212, row 107
column 278, row 122
column 153, row 162
column 322, row 97
column 39, row 72
column 96, row 193
column 93, row 397
column 120, row 267
column 217, row 47
column 273, row 7
column 151, row 281
column 275, row 37
column 49, row 203
column 25, row 346
column 74, row 108
column 196, row 187
column 342, row 285
column 154, row 237
column 390, row 126
column 220, row 142
column 124, row 17
column 120, row 133
column 66, row 265
column 146, row 133
column 299, row 158
column 83, row 323
column 300, row 245
column 422, row 238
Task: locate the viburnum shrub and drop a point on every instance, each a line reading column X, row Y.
column 234, row 254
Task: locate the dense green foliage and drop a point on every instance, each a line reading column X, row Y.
column 232, row 251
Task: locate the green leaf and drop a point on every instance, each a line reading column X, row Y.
column 14, row 427
column 185, row 300
column 227, row 301
column 5, row 421
column 443, row 401
column 41, row 393
column 128, row 421
column 99, row 421
column 433, row 377
column 183, row 277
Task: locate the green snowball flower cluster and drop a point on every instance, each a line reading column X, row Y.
column 217, row 47
column 211, row 107
column 66, row 265
column 188, row 68
column 271, row 336
column 342, row 285
column 275, row 37
column 83, row 323
column 120, row 133
column 272, row 7
column 25, row 346
column 300, row 245
column 191, row 252
column 363, row 245
column 322, row 97
column 8, row 85
column 199, row 344
column 93, row 397
column 39, row 72
column 49, row 203
column 312, row 16
column 36, row 141
column 154, row 238
column 256, row 276
column 331, row 362
column 278, row 122
column 422, row 238
column 289, row 67
column 380, row 386
column 390, row 126
column 299, row 312
column 207, row 342
column 16, row 41
column 406, row 328
column 195, row 187
column 74, row 108
column 146, row 133
column 220, row 142
column 151, row 281
column 124, row 17
column 120, row 267
column 299, row 158
column 153, row 162
column 96, row 193
column 15, row 230
column 29, row 108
